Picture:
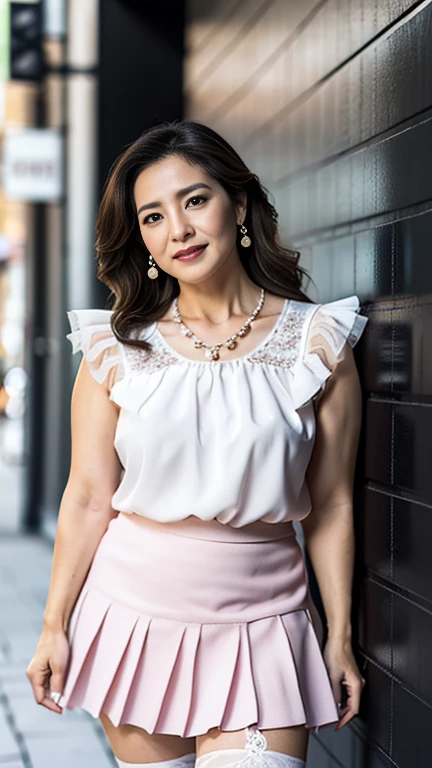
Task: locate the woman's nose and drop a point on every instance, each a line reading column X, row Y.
column 179, row 227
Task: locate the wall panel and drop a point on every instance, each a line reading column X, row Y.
column 330, row 102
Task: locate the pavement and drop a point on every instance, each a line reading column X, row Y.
column 32, row 736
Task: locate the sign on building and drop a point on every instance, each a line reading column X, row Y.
column 32, row 164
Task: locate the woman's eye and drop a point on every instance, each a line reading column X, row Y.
column 149, row 217
column 197, row 197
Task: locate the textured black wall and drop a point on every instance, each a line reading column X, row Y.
column 331, row 104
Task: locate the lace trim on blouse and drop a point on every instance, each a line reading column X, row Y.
column 279, row 349
column 159, row 357
column 307, row 336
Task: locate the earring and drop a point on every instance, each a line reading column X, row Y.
column 152, row 271
column 245, row 241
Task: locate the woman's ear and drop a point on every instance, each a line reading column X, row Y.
column 241, row 208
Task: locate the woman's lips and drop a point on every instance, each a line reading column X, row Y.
column 189, row 256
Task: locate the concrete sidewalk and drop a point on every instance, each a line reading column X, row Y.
column 30, row 735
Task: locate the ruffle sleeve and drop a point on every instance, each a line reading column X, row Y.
column 92, row 335
column 325, row 333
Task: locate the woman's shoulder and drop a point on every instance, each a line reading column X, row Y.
column 91, row 334
column 108, row 359
column 308, row 342
column 325, row 330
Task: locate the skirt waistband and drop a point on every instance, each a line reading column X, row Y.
column 214, row 530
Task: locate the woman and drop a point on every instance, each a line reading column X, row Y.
column 215, row 404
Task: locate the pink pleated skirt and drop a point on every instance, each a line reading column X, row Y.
column 185, row 626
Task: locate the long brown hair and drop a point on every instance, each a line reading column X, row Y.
column 123, row 257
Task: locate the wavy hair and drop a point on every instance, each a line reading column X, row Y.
column 123, row 257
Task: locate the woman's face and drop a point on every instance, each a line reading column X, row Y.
column 173, row 217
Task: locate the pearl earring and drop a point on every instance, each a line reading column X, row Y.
column 245, row 241
column 152, row 271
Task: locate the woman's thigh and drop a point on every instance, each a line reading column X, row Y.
column 134, row 745
column 291, row 741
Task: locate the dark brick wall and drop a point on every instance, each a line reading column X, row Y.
column 331, row 104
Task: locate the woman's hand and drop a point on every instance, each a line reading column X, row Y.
column 344, row 674
column 47, row 668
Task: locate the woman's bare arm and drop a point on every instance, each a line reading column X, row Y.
column 84, row 515
column 329, row 529
column 85, row 508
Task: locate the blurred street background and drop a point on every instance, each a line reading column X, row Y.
column 330, row 103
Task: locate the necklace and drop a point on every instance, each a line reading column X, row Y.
column 212, row 350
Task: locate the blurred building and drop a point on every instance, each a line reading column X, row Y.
column 79, row 81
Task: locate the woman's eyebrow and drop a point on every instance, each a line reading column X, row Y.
column 180, row 193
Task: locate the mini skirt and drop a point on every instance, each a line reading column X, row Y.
column 185, row 626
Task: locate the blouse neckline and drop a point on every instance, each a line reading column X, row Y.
column 258, row 347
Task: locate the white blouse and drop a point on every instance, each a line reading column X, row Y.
column 225, row 439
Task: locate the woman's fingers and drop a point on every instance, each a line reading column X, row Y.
column 47, row 668
column 57, row 682
column 40, row 679
column 48, row 702
column 353, row 685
